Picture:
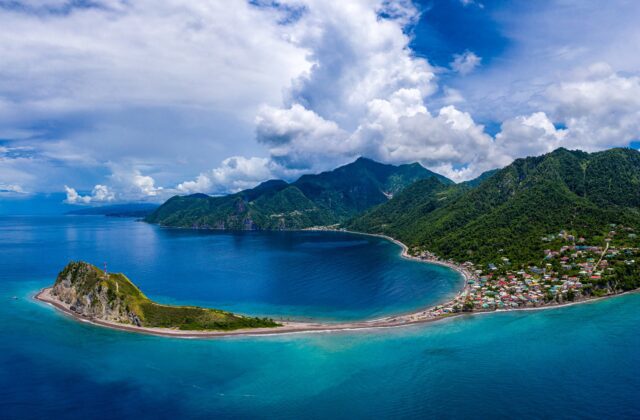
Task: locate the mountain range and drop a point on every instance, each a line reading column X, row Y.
column 502, row 212
column 323, row 199
column 512, row 209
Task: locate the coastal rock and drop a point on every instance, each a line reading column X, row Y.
column 89, row 293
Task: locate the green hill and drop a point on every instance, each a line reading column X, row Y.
column 313, row 200
column 92, row 293
column 509, row 211
column 412, row 203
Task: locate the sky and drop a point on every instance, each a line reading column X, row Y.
column 106, row 101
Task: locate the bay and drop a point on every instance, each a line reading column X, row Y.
column 573, row 362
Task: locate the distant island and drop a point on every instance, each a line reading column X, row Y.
column 117, row 210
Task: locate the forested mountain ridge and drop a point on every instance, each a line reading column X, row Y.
column 313, row 200
column 508, row 212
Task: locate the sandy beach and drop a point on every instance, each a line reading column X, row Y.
column 287, row 327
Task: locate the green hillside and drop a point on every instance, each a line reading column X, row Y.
column 411, row 204
column 313, row 200
column 91, row 292
column 509, row 212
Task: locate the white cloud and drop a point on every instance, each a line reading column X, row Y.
column 146, row 52
column 465, row 63
column 364, row 87
column 545, row 44
column 297, row 137
column 123, row 80
column 357, row 57
column 126, row 184
column 366, row 95
column 355, row 87
column 597, row 109
column 234, row 174
column 529, row 135
column 401, row 130
column 452, row 96
column 167, row 87
column 11, row 189
column 132, row 185
column 398, row 129
column 601, row 109
column 145, row 184
column 99, row 194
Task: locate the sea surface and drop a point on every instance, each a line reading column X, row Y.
column 581, row 361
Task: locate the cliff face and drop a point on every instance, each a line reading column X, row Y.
column 90, row 292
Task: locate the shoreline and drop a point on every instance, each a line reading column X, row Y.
column 288, row 327
column 421, row 316
column 295, row 327
column 466, row 275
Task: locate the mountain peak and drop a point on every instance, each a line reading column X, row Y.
column 272, row 183
column 314, row 199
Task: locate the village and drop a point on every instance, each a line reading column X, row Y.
column 572, row 270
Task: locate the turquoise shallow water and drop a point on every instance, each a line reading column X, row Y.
column 580, row 361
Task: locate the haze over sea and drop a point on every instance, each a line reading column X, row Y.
column 568, row 362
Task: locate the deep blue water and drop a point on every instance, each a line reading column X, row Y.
column 329, row 275
column 580, row 361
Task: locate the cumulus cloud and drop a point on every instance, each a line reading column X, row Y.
column 122, row 80
column 172, row 87
column 597, row 108
column 357, row 56
column 365, row 96
column 401, row 129
column 234, row 174
column 600, row 109
column 147, row 53
column 297, row 137
column 99, row 194
column 529, row 135
column 131, row 184
column 125, row 184
column 465, row 63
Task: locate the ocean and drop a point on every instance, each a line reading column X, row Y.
column 578, row 361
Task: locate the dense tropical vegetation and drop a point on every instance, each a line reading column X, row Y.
column 507, row 213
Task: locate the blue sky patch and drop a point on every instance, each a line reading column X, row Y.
column 448, row 27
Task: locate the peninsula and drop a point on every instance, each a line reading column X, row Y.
column 112, row 300
column 88, row 294
column 109, row 299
